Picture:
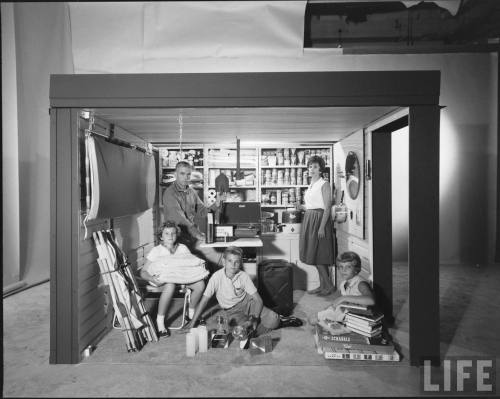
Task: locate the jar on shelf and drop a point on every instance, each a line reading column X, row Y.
column 284, row 198
column 293, row 177
column 286, row 157
column 269, row 177
column 293, row 156
column 264, row 159
column 280, row 159
column 273, row 197
column 265, row 197
column 280, row 178
column 286, row 176
column 199, row 157
column 305, row 175
column 271, row 160
column 299, row 177
column 275, row 176
column 306, row 157
column 278, row 197
column 300, row 156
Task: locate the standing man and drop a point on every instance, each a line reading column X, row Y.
column 181, row 204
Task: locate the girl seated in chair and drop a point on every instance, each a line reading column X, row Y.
column 172, row 263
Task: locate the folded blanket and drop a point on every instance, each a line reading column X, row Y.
column 180, row 269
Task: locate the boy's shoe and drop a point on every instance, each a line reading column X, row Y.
column 164, row 333
column 290, row 321
column 326, row 292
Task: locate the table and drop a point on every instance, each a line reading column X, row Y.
column 239, row 242
column 246, row 242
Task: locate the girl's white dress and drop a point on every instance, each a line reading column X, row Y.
column 181, row 267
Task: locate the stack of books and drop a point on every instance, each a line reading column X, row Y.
column 367, row 325
column 353, row 346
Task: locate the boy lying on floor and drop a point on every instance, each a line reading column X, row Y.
column 353, row 289
column 239, row 298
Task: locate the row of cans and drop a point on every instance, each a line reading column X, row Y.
column 292, row 156
column 281, row 177
column 291, row 196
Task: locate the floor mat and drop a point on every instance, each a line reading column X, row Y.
column 292, row 346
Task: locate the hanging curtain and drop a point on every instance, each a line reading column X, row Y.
column 122, row 180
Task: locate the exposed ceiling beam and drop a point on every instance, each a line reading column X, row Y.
column 389, row 26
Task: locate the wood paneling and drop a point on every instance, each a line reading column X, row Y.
column 65, row 202
column 210, row 125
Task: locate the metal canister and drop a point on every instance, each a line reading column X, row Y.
column 284, row 198
column 275, row 176
column 273, row 197
column 306, row 157
column 278, row 197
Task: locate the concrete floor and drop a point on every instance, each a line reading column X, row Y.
column 469, row 309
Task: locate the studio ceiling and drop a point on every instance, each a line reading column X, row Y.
column 365, row 27
column 251, row 125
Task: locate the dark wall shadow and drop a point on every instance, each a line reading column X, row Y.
column 472, row 194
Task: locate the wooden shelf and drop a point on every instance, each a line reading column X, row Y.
column 230, row 187
column 233, row 167
column 214, row 161
column 283, row 166
column 173, row 167
column 277, row 206
column 286, row 186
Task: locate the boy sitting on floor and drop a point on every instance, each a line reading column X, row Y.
column 239, row 298
column 172, row 263
column 353, row 289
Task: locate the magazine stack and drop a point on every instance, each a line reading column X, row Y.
column 353, row 346
column 369, row 326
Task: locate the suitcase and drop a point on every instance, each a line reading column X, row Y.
column 275, row 285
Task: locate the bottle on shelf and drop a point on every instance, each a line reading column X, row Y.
column 293, row 177
column 210, row 227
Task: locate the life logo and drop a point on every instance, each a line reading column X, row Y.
column 459, row 376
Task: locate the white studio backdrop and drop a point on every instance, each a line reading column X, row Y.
column 47, row 42
column 139, row 36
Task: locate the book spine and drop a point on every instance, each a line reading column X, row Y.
column 343, row 339
column 364, row 326
column 349, row 305
column 365, row 333
column 367, row 330
column 346, row 355
column 360, row 317
column 363, row 347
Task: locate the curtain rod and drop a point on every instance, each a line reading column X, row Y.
column 120, row 142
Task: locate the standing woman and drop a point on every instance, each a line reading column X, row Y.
column 316, row 233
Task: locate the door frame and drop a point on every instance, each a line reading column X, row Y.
column 418, row 90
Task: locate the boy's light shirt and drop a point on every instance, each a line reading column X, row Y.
column 228, row 291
